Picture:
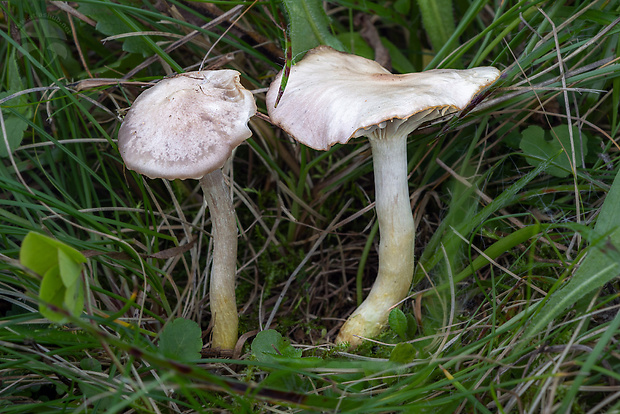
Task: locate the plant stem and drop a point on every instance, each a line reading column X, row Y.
column 223, row 270
column 397, row 234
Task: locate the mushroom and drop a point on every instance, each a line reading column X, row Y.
column 187, row 127
column 331, row 97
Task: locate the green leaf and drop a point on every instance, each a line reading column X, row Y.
column 403, row 353
column 600, row 266
column 61, row 267
column 74, row 297
column 15, row 128
column 402, row 6
column 398, row 323
column 537, row 146
column 308, row 26
column 14, row 124
column 181, row 339
column 412, row 326
column 39, row 253
column 438, row 21
column 91, row 364
column 70, row 269
column 510, row 135
column 269, row 344
column 109, row 24
column 15, row 80
column 52, row 292
column 353, row 42
column 400, row 62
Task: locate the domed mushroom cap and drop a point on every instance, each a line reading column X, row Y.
column 186, row 126
column 331, row 97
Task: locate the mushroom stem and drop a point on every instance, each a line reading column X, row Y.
column 397, row 234
column 223, row 270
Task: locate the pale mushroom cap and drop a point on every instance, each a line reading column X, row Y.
column 186, row 126
column 331, row 97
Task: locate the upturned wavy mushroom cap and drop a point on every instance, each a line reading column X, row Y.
column 331, row 97
column 186, row 126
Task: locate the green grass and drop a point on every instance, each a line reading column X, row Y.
column 515, row 305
